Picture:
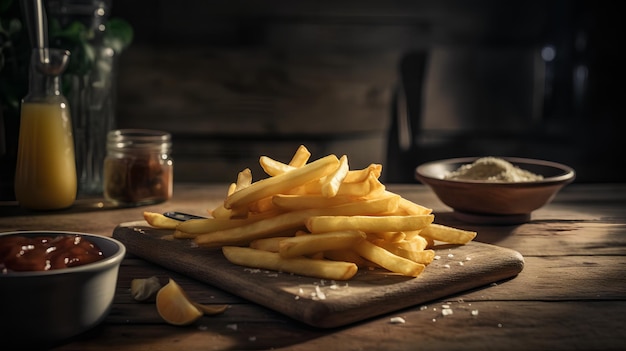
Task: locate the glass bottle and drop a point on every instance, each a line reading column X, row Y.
column 45, row 177
column 84, row 27
column 138, row 169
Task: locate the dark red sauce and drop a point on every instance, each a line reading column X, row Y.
column 42, row 253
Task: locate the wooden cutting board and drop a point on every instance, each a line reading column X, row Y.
column 320, row 303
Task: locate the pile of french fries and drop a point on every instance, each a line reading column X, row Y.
column 319, row 219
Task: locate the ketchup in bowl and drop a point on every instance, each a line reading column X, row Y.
column 42, row 253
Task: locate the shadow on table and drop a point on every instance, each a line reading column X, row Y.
column 81, row 205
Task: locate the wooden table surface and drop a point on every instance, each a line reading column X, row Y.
column 571, row 294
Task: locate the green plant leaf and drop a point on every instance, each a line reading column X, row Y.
column 118, row 34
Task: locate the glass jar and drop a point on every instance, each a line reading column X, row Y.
column 138, row 169
column 45, row 175
column 96, row 41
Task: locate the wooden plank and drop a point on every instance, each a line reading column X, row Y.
column 369, row 294
column 510, row 325
column 246, row 92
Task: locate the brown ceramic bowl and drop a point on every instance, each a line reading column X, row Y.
column 495, row 202
column 42, row 308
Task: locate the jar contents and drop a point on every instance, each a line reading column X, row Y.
column 138, row 169
column 492, row 169
column 43, row 253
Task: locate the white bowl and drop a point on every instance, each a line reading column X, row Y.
column 480, row 201
column 41, row 308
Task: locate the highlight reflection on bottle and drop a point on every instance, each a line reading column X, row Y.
column 45, row 176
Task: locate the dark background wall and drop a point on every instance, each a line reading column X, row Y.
column 236, row 79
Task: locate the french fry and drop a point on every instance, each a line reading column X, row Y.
column 282, row 182
column 420, row 256
column 158, row 220
column 301, row 202
column 323, row 269
column 413, row 208
column 388, row 260
column 268, row 244
column 321, row 224
column 318, row 219
column 193, row 227
column 370, row 187
column 244, row 179
column 447, row 234
column 300, row 157
column 346, row 255
column 273, row 167
column 243, row 235
column 416, row 243
column 263, row 205
column 361, row 175
column 332, row 182
column 313, row 243
column 387, row 236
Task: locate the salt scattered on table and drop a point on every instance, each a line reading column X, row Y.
column 397, row 320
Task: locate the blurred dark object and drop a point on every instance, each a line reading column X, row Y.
column 538, row 78
column 86, row 29
column 554, row 96
column 95, row 40
column 15, row 52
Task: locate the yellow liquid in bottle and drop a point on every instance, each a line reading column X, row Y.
column 45, row 177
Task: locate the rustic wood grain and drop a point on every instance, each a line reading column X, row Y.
column 369, row 294
column 569, row 296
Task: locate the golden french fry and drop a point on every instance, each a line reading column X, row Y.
column 412, row 208
column 265, row 228
column 282, row 182
column 222, row 212
column 332, row 182
column 231, row 188
column 301, row 202
column 424, row 257
column 208, row 225
column 323, row 269
column 158, row 220
column 420, row 256
column 412, row 234
column 387, row 236
column 388, row 260
column 372, row 224
column 268, row 244
column 263, row 205
column 273, row 167
column 416, row 243
column 359, row 189
column 244, row 179
column 346, row 255
column 313, row 243
column 355, row 189
column 447, row 234
column 319, row 219
column 430, row 243
column 361, row 175
column 300, row 157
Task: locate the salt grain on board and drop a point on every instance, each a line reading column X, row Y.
column 397, row 320
column 319, row 293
